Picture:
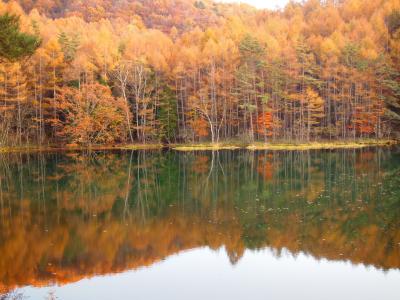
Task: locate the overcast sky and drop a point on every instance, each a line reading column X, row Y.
column 262, row 3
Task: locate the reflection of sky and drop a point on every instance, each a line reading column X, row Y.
column 208, row 275
column 262, row 3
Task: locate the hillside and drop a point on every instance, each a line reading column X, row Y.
column 159, row 14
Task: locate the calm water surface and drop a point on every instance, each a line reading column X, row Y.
column 203, row 225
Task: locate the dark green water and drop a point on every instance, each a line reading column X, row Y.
column 72, row 224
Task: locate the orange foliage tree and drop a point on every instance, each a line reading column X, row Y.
column 329, row 69
column 90, row 115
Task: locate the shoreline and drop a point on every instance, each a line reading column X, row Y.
column 321, row 145
column 29, row 149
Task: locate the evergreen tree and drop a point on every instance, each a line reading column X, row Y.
column 14, row 44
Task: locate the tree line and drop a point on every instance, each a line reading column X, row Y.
column 107, row 72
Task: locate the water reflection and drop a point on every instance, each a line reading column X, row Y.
column 207, row 274
column 65, row 217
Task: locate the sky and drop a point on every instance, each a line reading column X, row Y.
column 262, row 3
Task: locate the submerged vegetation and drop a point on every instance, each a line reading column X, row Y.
column 104, row 72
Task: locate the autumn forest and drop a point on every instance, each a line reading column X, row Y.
column 183, row 71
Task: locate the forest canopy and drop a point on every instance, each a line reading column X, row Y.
column 107, row 71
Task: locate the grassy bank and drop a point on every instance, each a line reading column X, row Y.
column 286, row 146
column 232, row 145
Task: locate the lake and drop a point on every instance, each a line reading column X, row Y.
column 201, row 225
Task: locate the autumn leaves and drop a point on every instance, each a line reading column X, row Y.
column 313, row 71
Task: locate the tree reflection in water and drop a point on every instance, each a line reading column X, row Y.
column 69, row 216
